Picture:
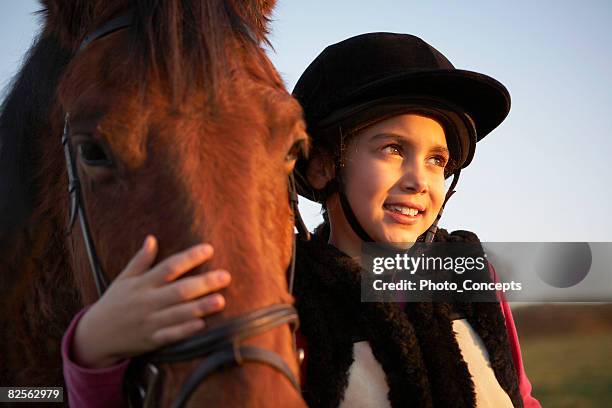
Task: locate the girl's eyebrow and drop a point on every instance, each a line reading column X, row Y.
column 437, row 148
column 393, row 136
column 440, row 149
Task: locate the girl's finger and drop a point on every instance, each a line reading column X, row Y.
column 184, row 312
column 191, row 287
column 143, row 260
column 178, row 332
column 179, row 264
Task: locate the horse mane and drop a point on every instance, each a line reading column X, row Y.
column 24, row 242
column 24, row 115
column 185, row 42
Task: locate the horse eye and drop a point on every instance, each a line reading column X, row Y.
column 93, row 154
column 295, row 150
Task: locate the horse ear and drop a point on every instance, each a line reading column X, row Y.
column 67, row 18
column 258, row 13
column 266, row 7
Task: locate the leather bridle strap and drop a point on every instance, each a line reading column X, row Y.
column 230, row 331
column 76, row 206
column 228, row 356
column 303, row 232
column 118, row 23
column 74, row 186
column 221, row 347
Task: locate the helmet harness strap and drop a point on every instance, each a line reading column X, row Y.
column 431, row 231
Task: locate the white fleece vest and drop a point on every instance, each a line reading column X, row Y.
column 367, row 387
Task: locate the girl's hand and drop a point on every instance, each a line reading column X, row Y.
column 145, row 309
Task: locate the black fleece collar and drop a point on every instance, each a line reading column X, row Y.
column 416, row 347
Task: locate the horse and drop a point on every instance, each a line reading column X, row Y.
column 186, row 132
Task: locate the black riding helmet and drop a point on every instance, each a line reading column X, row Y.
column 368, row 78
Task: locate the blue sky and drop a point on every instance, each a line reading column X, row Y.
column 541, row 176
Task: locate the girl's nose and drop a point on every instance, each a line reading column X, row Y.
column 414, row 179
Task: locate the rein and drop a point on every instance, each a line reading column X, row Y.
column 220, row 346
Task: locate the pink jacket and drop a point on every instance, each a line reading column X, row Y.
column 515, row 348
column 95, row 388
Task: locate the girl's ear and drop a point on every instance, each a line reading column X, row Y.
column 320, row 171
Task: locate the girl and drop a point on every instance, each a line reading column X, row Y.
column 390, row 119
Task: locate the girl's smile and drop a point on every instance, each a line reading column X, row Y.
column 403, row 213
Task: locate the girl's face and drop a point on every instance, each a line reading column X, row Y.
column 394, row 177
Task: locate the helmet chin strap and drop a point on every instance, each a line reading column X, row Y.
column 350, row 215
column 431, row 231
column 361, row 232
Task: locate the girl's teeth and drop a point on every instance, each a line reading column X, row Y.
column 404, row 210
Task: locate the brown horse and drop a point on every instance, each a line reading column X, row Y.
column 188, row 134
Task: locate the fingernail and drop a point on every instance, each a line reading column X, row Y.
column 152, row 244
column 204, row 248
column 223, row 276
column 217, row 301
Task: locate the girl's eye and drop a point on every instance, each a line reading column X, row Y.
column 439, row 161
column 393, row 149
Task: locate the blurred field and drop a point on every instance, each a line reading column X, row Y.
column 567, row 352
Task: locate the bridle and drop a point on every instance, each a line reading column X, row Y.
column 220, row 346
